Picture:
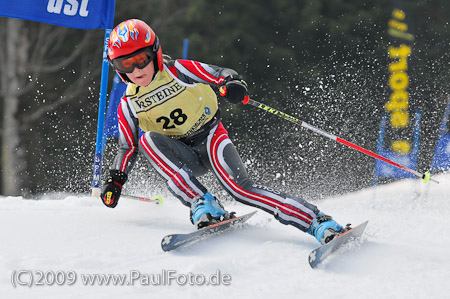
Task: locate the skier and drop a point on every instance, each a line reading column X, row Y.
column 173, row 101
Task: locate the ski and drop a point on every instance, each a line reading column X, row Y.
column 319, row 254
column 171, row 242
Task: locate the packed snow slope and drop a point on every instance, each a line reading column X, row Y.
column 404, row 253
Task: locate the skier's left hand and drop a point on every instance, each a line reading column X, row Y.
column 234, row 89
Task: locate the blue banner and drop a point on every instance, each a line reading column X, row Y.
column 441, row 159
column 385, row 170
column 117, row 91
column 81, row 14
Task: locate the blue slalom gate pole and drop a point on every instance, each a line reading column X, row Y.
column 100, row 142
column 185, row 48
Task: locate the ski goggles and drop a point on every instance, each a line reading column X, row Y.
column 139, row 59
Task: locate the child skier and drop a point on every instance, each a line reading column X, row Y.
column 174, row 103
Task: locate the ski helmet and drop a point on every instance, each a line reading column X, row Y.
column 131, row 36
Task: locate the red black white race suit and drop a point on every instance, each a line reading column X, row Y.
column 185, row 138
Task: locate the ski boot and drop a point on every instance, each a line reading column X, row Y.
column 207, row 210
column 325, row 229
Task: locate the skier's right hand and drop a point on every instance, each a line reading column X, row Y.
column 113, row 188
column 234, row 89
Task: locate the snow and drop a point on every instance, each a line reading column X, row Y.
column 404, row 253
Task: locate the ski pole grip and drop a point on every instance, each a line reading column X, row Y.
column 223, row 90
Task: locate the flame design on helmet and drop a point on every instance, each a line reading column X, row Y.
column 125, row 31
column 114, row 41
column 133, row 32
column 148, row 37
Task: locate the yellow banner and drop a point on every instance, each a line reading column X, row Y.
column 398, row 105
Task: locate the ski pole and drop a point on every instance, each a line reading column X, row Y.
column 425, row 176
column 156, row 199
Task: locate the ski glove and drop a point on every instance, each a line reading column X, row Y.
column 234, row 89
column 113, row 187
